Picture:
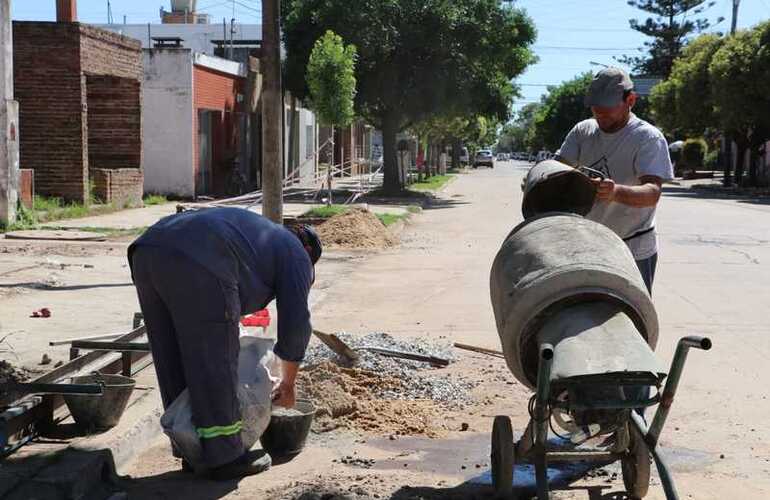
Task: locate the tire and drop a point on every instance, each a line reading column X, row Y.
column 636, row 466
column 502, row 456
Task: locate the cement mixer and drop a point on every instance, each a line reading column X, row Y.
column 578, row 327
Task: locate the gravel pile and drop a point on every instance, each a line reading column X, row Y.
column 420, row 380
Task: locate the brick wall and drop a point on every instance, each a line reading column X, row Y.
column 107, row 53
column 213, row 90
column 51, row 61
column 114, row 122
column 122, row 186
column 47, row 81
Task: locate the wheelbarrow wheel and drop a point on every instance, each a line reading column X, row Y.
column 502, row 458
column 636, row 466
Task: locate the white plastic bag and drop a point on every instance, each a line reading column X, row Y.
column 254, row 387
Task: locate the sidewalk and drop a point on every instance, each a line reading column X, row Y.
column 144, row 217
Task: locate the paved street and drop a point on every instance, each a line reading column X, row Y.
column 712, row 280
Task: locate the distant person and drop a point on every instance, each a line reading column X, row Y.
column 633, row 157
column 196, row 274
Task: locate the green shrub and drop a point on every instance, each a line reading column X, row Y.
column 693, row 152
column 711, row 161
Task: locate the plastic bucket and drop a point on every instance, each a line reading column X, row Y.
column 100, row 412
column 286, row 434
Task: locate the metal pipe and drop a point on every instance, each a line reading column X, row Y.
column 36, row 388
column 541, row 418
column 95, row 345
column 666, row 479
column 672, row 382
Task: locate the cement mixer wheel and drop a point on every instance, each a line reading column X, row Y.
column 502, row 457
column 636, row 466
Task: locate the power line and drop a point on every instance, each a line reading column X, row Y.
column 564, row 47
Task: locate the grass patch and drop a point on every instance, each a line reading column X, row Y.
column 154, row 199
column 432, row 183
column 390, row 219
column 110, row 232
column 325, row 212
column 54, row 208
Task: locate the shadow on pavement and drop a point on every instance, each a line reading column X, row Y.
column 68, row 288
column 741, row 196
column 469, row 491
column 175, row 485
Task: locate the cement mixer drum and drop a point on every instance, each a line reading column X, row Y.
column 555, row 261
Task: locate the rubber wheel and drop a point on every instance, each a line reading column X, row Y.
column 502, row 458
column 636, row 466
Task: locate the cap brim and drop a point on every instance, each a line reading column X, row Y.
column 603, row 102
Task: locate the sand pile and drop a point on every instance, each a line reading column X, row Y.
column 356, row 229
column 348, row 398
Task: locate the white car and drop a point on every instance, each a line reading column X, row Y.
column 484, row 158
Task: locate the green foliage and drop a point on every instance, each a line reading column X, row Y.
column 740, row 97
column 390, row 219
column 326, row 212
column 416, row 58
column 693, row 152
column 154, row 199
column 711, row 161
column 433, row 183
column 53, row 208
column 739, row 72
column 559, row 111
column 683, row 104
column 331, row 80
column 673, row 22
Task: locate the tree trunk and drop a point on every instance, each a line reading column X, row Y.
column 754, row 154
column 391, row 184
column 456, row 153
column 740, row 161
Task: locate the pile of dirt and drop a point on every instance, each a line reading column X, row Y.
column 348, row 398
column 356, row 228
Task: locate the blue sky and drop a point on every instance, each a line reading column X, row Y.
column 571, row 33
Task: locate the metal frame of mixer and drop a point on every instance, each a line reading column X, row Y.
column 634, row 444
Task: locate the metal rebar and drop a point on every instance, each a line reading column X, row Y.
column 541, row 418
column 672, row 382
column 666, row 479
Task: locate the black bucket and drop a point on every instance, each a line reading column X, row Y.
column 286, row 434
column 100, row 412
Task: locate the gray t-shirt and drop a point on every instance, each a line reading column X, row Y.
column 637, row 150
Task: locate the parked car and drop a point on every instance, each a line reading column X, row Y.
column 502, row 157
column 484, row 158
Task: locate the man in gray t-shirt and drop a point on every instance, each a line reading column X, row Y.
column 632, row 155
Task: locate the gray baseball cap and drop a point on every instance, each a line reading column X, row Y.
column 607, row 88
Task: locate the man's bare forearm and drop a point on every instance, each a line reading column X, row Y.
column 646, row 195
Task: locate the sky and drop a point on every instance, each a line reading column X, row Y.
column 571, row 33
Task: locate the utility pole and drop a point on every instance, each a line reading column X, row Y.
column 728, row 141
column 9, row 122
column 272, row 113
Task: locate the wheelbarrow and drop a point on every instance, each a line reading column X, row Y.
column 591, row 403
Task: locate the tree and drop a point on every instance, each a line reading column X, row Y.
column 673, row 24
column 416, row 58
column 560, row 110
column 684, row 104
column 332, row 81
column 739, row 73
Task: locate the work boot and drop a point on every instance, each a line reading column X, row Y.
column 248, row 464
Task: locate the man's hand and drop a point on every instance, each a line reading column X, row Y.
column 284, row 395
column 605, row 189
